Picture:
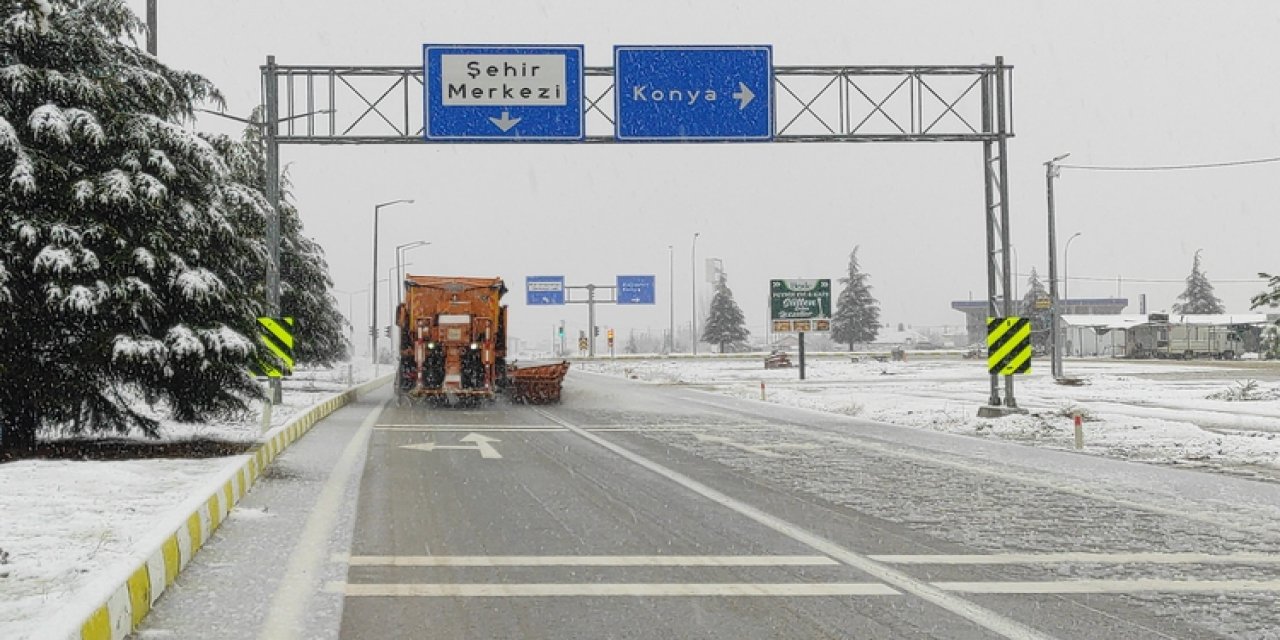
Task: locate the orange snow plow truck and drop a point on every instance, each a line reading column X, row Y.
column 453, row 346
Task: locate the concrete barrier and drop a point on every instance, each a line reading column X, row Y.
column 127, row 603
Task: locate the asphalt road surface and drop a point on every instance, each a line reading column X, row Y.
column 643, row 511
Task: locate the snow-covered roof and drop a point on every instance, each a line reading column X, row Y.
column 908, row 336
column 1130, row 320
column 1219, row 318
column 1106, row 321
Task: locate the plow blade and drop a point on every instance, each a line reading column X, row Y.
column 537, row 383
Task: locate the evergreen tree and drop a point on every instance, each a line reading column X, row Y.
column 1040, row 318
column 726, row 324
column 305, row 284
column 1270, row 297
column 1198, row 296
column 123, row 264
column 857, row 317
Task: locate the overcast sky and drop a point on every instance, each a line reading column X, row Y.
column 1115, row 83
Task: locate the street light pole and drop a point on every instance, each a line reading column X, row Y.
column 391, row 310
column 1066, row 252
column 1016, row 275
column 151, row 27
column 1055, row 343
column 351, row 320
column 671, row 293
column 373, row 293
column 1065, row 280
column 693, row 280
column 401, row 249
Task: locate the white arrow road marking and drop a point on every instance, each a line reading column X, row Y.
column 760, row 450
column 743, row 95
column 479, row 443
column 506, row 121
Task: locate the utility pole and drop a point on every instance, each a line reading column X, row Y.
column 273, row 196
column 373, row 295
column 151, row 27
column 591, row 320
column 671, row 293
column 693, row 280
column 1055, row 342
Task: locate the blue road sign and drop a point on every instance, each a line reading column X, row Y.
column 544, row 290
column 499, row 93
column 635, row 289
column 693, row 93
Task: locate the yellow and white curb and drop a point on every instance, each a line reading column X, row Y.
column 130, row 602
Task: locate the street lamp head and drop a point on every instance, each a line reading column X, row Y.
column 1059, row 158
column 410, row 245
column 391, row 202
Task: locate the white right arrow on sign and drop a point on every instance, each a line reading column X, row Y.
column 743, row 95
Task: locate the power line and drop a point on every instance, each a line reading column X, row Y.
column 1126, row 279
column 1171, row 167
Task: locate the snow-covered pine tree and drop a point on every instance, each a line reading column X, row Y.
column 725, row 325
column 1198, row 296
column 122, row 263
column 1040, row 318
column 305, row 284
column 857, row 316
column 1268, row 298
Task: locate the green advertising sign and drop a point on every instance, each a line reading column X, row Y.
column 800, row 305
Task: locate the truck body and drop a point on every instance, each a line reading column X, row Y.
column 453, row 345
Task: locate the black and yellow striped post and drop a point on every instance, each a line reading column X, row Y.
column 276, row 337
column 1008, row 346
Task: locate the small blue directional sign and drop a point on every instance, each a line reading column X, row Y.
column 502, row 93
column 635, row 289
column 684, row 94
column 544, row 290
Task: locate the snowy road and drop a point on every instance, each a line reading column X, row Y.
column 643, row 511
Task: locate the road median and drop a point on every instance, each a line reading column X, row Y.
column 110, row 608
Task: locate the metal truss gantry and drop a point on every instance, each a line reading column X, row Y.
column 337, row 105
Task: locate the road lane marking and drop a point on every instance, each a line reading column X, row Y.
column 478, row 442
column 589, row 561
column 429, row 428
column 1110, row 586
column 1085, row 558
column 542, row 590
column 757, row 449
column 292, row 598
column 971, row 611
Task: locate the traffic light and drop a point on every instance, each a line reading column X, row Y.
column 561, row 332
column 610, row 335
column 387, row 331
column 373, row 331
column 597, row 331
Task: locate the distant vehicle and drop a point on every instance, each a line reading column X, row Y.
column 453, row 345
column 777, row 360
column 1188, row 341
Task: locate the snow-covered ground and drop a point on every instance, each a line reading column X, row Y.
column 65, row 523
column 1170, row 413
